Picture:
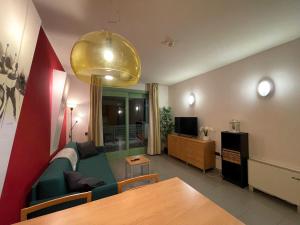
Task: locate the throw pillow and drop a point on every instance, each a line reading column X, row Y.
column 73, row 181
column 77, row 182
column 87, row 149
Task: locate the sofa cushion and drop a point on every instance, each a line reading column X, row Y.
column 77, row 182
column 96, row 166
column 87, row 149
column 52, row 182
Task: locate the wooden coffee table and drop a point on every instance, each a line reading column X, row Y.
column 136, row 160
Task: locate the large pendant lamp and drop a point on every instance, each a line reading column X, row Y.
column 106, row 56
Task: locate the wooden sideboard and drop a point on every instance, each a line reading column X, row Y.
column 193, row 151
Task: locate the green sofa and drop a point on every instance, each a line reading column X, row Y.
column 51, row 184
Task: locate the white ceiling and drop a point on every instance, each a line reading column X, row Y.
column 209, row 33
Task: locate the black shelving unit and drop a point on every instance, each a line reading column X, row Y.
column 235, row 154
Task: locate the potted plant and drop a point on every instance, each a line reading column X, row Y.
column 166, row 125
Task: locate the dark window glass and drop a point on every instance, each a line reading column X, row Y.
column 114, row 123
column 137, row 123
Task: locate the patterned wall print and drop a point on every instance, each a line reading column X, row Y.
column 12, row 84
column 19, row 28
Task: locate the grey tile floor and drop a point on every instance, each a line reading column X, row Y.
column 254, row 208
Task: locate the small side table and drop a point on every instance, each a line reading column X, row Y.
column 137, row 160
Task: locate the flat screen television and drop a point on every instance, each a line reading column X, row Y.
column 186, row 126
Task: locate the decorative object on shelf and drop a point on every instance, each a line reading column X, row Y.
column 204, row 133
column 191, row 99
column 166, row 125
column 107, row 56
column 234, row 126
column 265, row 87
column 72, row 106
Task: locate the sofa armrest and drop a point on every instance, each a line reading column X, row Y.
column 33, row 193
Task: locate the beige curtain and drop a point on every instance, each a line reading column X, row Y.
column 154, row 142
column 95, row 124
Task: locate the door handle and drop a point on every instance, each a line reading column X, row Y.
column 296, row 178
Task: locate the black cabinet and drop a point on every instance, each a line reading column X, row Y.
column 235, row 154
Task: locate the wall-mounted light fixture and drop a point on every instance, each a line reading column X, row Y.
column 191, row 99
column 265, row 87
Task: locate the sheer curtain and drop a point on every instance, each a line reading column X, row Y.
column 154, row 142
column 95, row 124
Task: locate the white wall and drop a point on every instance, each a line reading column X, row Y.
column 163, row 95
column 80, row 93
column 230, row 93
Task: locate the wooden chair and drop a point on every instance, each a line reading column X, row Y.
column 150, row 177
column 57, row 201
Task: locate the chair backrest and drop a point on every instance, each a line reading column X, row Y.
column 150, row 177
column 57, row 201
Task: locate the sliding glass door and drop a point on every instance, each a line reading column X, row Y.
column 125, row 119
column 137, row 123
column 114, row 122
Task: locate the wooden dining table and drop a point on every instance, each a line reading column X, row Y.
column 171, row 202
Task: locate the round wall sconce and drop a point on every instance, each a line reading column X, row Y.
column 191, row 99
column 265, row 87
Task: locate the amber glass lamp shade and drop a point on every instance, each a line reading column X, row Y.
column 107, row 56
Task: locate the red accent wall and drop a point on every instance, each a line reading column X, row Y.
column 31, row 148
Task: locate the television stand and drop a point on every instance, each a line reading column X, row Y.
column 193, row 151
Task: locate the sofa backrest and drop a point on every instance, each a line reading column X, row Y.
column 74, row 146
column 52, row 182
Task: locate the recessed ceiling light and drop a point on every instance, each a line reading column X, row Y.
column 168, row 41
column 109, row 77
